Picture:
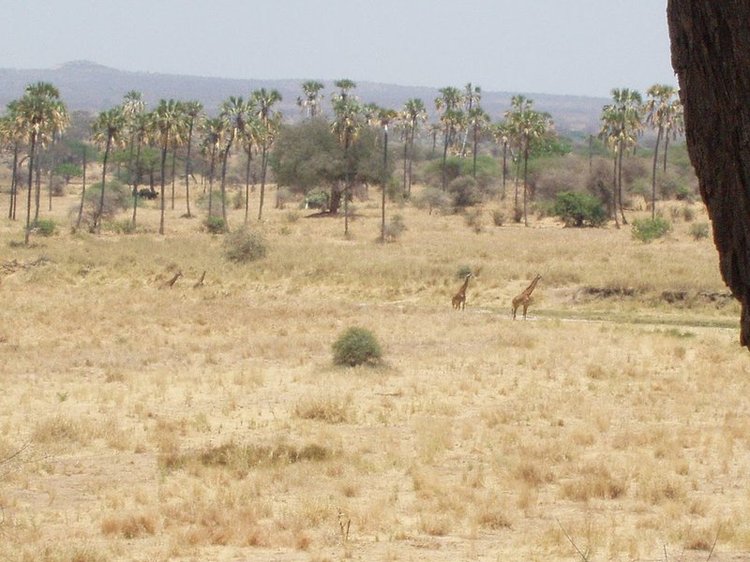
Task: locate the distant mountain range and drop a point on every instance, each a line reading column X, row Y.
column 87, row 86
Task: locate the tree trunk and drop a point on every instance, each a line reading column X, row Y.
column 32, row 148
column 13, row 185
column 653, row 173
column 163, row 184
column 98, row 220
column 711, row 55
column 83, row 191
column 188, row 170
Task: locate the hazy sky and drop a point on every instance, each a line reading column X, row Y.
column 584, row 47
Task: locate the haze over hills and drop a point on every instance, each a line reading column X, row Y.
column 87, row 86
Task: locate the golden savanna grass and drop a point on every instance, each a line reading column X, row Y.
column 145, row 423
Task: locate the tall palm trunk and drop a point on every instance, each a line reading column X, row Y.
column 619, row 184
column 446, row 140
column 174, row 169
column 188, row 170
column 385, row 182
column 98, row 218
column 263, row 167
column 83, row 191
column 164, row 149
column 653, row 173
column 136, row 178
column 37, row 187
column 525, row 183
column 614, row 191
column 32, row 149
column 211, row 169
column 225, row 157
column 247, row 182
column 13, row 185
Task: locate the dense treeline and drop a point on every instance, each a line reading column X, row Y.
column 464, row 158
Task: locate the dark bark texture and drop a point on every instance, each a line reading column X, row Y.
column 711, row 56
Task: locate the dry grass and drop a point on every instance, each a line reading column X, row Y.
column 209, row 423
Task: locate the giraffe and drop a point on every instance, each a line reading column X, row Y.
column 525, row 297
column 459, row 299
column 169, row 284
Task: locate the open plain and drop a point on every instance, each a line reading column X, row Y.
column 141, row 422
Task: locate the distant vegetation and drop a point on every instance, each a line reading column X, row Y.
column 466, row 157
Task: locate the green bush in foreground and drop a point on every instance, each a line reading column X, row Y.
column 579, row 209
column 44, row 227
column 647, row 230
column 356, row 346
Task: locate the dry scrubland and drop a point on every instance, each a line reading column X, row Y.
column 210, row 424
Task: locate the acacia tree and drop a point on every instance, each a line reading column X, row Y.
column 268, row 128
column 346, row 126
column 412, row 115
column 621, row 126
column 658, row 108
column 312, row 98
column 40, row 114
column 107, row 131
column 711, row 55
column 166, row 126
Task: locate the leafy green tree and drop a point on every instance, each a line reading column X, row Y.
column 166, row 127
column 269, row 122
column 107, row 132
column 471, row 97
column 412, row 115
column 621, row 126
column 310, row 102
column 40, row 114
column 478, row 121
column 579, row 209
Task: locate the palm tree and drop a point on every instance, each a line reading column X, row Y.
column 527, row 125
column 132, row 107
column 385, row 118
column 451, row 117
column 412, row 115
column 501, row 135
column 312, row 98
column 141, row 128
column 11, row 138
column 214, row 131
column 166, row 127
column 471, row 97
column 269, row 122
column 674, row 126
column 192, row 111
column 346, row 126
column 40, row 114
column 477, row 121
column 657, row 110
column 107, row 131
column 250, row 138
column 621, row 125
column 235, row 111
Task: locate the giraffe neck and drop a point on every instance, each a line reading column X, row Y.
column 530, row 288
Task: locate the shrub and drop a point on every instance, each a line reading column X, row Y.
column 498, row 217
column 464, row 191
column 473, row 219
column 356, row 346
column 44, row 227
column 463, row 271
column 316, row 199
column 699, row 230
column 244, row 245
column 117, row 198
column 579, row 209
column 215, row 225
column 432, row 198
column 394, row 228
column 647, row 230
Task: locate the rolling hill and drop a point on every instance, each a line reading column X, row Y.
column 87, row 86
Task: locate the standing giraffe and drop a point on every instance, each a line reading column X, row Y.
column 459, row 299
column 525, row 297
